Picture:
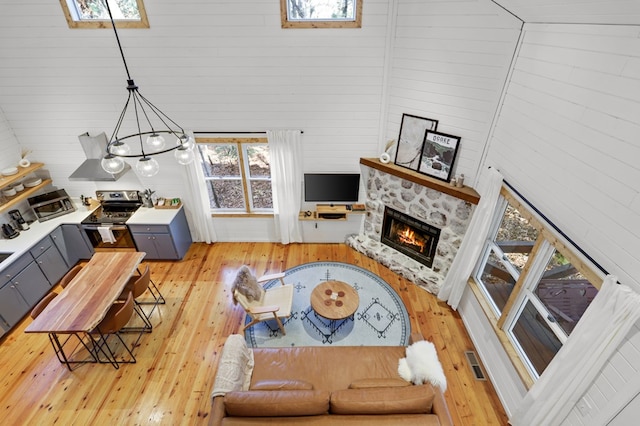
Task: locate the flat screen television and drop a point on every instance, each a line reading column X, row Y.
column 331, row 187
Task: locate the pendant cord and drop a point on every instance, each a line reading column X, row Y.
column 113, row 24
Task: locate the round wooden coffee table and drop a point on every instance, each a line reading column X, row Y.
column 335, row 301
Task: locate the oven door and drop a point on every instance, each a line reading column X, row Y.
column 121, row 234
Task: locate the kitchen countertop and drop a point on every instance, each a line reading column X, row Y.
column 153, row 216
column 38, row 230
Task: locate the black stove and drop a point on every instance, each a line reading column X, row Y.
column 115, row 207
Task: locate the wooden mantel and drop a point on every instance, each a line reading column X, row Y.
column 465, row 193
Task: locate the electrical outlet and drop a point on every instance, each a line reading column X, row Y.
column 583, row 406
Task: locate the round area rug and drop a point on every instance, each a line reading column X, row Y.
column 379, row 320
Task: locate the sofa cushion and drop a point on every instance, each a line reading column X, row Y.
column 277, row 403
column 282, row 385
column 378, row 383
column 394, row 400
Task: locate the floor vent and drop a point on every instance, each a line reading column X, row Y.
column 474, row 363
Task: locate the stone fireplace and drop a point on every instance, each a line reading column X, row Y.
column 438, row 207
column 410, row 236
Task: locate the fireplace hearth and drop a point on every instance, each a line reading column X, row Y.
column 414, row 238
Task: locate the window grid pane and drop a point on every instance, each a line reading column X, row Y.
column 226, row 194
column 565, row 292
column 96, row 10
column 535, row 338
column 321, row 10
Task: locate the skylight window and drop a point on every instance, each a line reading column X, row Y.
column 321, row 13
column 93, row 13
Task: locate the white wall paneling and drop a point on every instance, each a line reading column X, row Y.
column 566, row 138
column 450, row 60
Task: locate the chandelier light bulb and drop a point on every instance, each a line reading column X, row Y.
column 184, row 156
column 147, row 167
column 155, row 141
column 119, row 148
column 112, row 164
column 186, row 141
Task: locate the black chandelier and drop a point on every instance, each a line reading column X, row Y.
column 153, row 139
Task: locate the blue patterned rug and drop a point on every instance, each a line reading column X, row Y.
column 380, row 320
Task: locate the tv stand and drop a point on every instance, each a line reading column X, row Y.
column 332, row 211
column 331, row 223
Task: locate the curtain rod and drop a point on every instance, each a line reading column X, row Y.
column 235, row 133
column 553, row 225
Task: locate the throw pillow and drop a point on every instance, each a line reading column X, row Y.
column 277, row 403
column 403, row 400
column 421, row 365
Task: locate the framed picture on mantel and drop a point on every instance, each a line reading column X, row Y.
column 411, row 138
column 438, row 154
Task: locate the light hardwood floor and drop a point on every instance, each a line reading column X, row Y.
column 171, row 382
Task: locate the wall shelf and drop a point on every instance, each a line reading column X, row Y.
column 465, row 193
column 22, row 195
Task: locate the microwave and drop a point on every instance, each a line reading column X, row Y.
column 50, row 205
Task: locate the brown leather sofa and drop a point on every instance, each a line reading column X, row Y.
column 328, row 386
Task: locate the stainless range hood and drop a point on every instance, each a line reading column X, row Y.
column 95, row 148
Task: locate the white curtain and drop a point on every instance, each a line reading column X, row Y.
column 197, row 201
column 455, row 282
column 604, row 325
column 285, row 151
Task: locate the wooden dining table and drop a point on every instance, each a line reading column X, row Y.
column 85, row 301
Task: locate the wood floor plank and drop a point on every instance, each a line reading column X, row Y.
column 173, row 378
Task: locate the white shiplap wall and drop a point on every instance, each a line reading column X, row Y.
column 450, row 62
column 618, row 384
column 567, row 139
column 10, row 152
column 212, row 66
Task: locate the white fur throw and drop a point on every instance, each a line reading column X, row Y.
column 247, row 285
column 421, row 365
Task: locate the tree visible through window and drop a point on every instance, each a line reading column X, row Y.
column 321, row 13
column 94, row 14
column 238, row 175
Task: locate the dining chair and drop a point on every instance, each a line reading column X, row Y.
column 158, row 298
column 137, row 285
column 70, row 275
column 111, row 325
column 56, row 343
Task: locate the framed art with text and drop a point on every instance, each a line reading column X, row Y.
column 411, row 138
column 438, row 154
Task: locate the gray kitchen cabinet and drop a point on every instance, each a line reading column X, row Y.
column 49, row 259
column 23, row 286
column 156, row 245
column 160, row 241
column 32, row 284
column 4, row 326
column 12, row 305
column 73, row 243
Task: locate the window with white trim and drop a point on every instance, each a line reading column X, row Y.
column 94, row 14
column 321, row 13
column 535, row 287
column 237, row 174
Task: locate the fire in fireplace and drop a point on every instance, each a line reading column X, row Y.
column 414, row 238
